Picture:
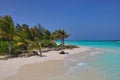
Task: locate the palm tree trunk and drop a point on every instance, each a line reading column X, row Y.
column 10, row 47
column 40, row 53
column 62, row 44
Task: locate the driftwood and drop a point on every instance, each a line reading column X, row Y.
column 6, row 57
column 33, row 53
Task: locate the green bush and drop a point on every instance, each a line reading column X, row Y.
column 16, row 50
column 3, row 47
column 45, row 43
column 48, row 43
column 68, row 46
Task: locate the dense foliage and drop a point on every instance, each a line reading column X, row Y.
column 3, row 47
column 15, row 39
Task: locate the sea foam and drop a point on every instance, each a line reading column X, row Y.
column 77, row 69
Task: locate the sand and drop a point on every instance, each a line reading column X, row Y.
column 12, row 69
column 51, row 70
column 42, row 71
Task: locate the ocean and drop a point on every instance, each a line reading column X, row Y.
column 105, row 66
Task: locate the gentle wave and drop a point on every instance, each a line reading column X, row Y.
column 77, row 69
column 107, row 63
column 74, row 59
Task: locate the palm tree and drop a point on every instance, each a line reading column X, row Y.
column 61, row 35
column 23, row 33
column 47, row 34
column 48, row 39
column 7, row 27
column 37, row 33
column 21, row 38
column 26, row 29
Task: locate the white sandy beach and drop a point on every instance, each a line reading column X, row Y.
column 10, row 67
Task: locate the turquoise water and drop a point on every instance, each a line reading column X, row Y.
column 107, row 63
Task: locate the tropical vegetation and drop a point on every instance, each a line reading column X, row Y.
column 17, row 39
column 61, row 35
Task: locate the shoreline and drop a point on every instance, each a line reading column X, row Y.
column 55, row 69
column 10, row 67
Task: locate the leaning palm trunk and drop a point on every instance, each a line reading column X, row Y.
column 40, row 53
column 10, row 47
column 39, row 50
column 62, row 46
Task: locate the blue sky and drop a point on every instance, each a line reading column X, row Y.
column 84, row 19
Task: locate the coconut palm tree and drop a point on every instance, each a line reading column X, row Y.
column 23, row 33
column 8, row 30
column 48, row 39
column 37, row 33
column 26, row 29
column 20, row 38
column 61, row 35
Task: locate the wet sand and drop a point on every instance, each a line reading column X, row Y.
column 57, row 70
column 53, row 70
